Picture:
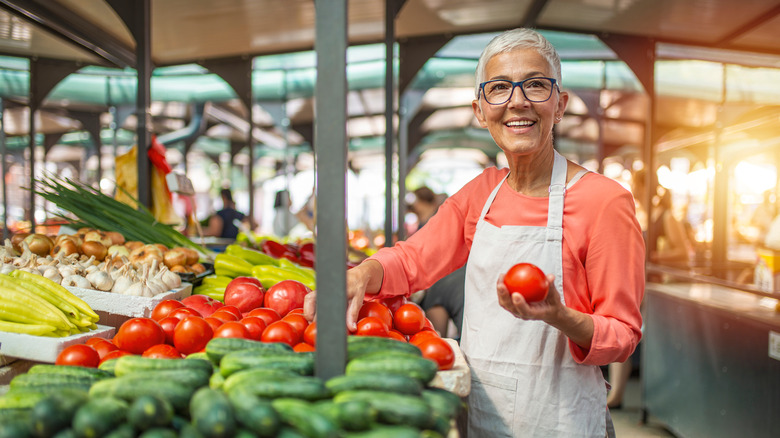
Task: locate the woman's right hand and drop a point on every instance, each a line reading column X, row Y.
column 366, row 277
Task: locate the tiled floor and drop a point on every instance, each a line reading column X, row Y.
column 627, row 419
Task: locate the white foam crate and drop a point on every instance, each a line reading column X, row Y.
column 45, row 349
column 114, row 309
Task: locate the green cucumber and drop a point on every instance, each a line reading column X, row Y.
column 15, row 429
column 69, row 370
column 131, row 387
column 55, row 412
column 302, row 387
column 124, row 430
column 240, row 378
column 349, row 415
column 22, row 398
column 216, row 380
column 255, row 414
column 358, row 346
column 302, row 363
column 99, row 416
column 393, row 408
column 217, row 348
column 420, row 368
column 385, row 431
column 51, row 380
column 443, row 402
column 149, row 411
column 132, row 364
column 212, row 414
column 108, row 365
column 379, row 381
column 159, row 432
column 302, row 416
column 189, row 377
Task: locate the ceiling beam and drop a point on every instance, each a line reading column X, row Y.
column 74, row 29
column 762, row 18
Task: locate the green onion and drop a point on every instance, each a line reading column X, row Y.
column 93, row 209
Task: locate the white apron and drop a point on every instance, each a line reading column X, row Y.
column 524, row 381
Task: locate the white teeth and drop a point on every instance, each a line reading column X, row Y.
column 518, row 124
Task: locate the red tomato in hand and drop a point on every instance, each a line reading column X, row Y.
column 168, row 324
column 80, row 355
column 245, row 293
column 266, row 314
column 371, row 326
column 255, row 326
column 165, row 307
column 527, row 280
column 376, row 310
column 232, row 329
column 310, row 334
column 409, row 319
column 439, row 351
column 285, row 296
column 162, row 351
column 137, row 334
column 103, row 347
column 192, row 334
column 281, row 331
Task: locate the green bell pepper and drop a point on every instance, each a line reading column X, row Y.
column 231, row 266
column 252, row 256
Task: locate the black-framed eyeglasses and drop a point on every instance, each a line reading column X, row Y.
column 499, row 91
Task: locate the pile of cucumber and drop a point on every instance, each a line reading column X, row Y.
column 236, row 388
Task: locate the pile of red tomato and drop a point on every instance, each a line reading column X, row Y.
column 179, row 328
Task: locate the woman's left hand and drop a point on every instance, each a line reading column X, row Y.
column 549, row 309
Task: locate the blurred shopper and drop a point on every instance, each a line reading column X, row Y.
column 442, row 302
column 225, row 222
column 284, row 220
column 535, row 365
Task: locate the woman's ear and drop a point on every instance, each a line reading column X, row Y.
column 478, row 113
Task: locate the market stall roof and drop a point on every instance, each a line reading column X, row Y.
column 187, row 31
column 281, row 35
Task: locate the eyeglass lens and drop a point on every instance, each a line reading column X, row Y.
column 534, row 89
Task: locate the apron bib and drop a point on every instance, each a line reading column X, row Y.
column 524, row 380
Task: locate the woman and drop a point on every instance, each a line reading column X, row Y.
column 535, row 366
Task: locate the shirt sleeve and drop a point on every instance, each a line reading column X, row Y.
column 441, row 246
column 615, row 278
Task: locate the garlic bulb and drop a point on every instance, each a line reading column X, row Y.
column 121, row 284
column 52, row 274
column 171, row 280
column 100, row 280
column 76, row 281
column 7, row 268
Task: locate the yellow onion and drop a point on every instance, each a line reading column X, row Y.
column 197, row 268
column 192, row 255
column 174, row 257
column 116, row 237
column 132, row 245
column 94, row 248
column 98, row 236
column 39, row 244
column 16, row 240
column 145, row 254
column 118, row 251
column 66, row 247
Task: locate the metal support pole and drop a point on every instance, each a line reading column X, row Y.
column 389, row 113
column 4, row 151
column 143, row 25
column 720, row 198
column 31, row 145
column 331, row 169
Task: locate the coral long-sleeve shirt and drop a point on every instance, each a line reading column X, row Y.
column 603, row 253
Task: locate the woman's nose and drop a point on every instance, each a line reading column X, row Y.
column 517, row 98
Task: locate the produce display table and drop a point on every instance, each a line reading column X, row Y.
column 114, row 309
column 711, row 360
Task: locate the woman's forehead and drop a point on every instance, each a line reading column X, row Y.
column 521, row 60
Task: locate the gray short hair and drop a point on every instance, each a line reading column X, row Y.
column 521, row 38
